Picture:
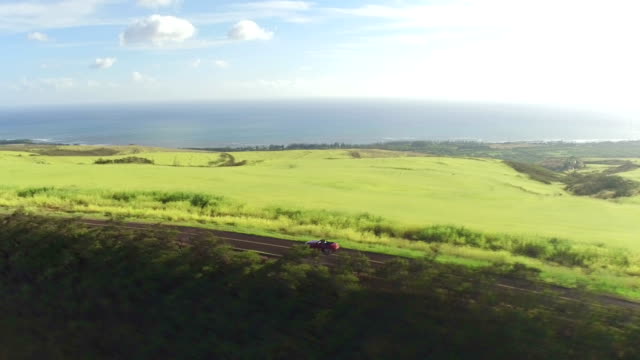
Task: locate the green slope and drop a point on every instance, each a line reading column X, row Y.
column 479, row 193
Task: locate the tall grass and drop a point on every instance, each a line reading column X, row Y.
column 362, row 228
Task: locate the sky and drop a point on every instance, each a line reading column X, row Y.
column 560, row 52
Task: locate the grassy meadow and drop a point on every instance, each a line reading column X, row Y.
column 473, row 210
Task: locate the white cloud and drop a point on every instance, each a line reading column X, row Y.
column 195, row 63
column 136, row 76
column 103, row 63
column 158, row 31
column 140, row 78
column 221, row 64
column 38, row 36
column 154, row 4
column 288, row 11
column 61, row 83
column 248, row 30
column 28, row 15
column 562, row 15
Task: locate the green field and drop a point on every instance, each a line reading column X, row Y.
column 324, row 193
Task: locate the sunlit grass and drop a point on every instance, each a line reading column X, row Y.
column 324, row 194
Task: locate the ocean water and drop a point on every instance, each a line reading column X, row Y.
column 321, row 121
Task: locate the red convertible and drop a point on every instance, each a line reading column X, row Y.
column 326, row 247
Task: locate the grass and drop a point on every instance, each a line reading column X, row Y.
column 483, row 195
column 498, row 214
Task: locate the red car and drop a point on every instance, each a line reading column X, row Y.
column 326, row 247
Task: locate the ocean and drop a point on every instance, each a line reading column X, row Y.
column 248, row 123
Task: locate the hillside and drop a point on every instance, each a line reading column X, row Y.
column 477, row 211
column 114, row 293
column 480, row 193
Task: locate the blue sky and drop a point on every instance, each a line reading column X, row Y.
column 566, row 52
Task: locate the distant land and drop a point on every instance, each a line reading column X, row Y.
column 525, row 151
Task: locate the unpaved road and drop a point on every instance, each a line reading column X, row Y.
column 275, row 247
column 265, row 245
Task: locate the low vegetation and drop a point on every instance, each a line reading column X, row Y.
column 624, row 167
column 530, row 152
column 70, row 292
column 536, row 172
column 563, row 164
column 363, row 231
column 227, row 159
column 125, row 160
column 16, row 141
column 600, row 185
column 63, row 151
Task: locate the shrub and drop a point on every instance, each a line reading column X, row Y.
column 31, row 192
column 626, row 166
column 601, row 185
column 563, row 253
column 291, row 214
column 455, row 235
column 126, row 160
column 531, row 249
column 227, row 159
column 199, row 200
column 124, row 196
column 535, row 172
column 194, row 199
column 64, row 151
column 172, row 197
column 563, row 164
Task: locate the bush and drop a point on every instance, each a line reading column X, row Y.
column 563, row 164
column 199, row 200
column 31, row 192
column 124, row 196
column 626, row 166
column 531, row 249
column 227, row 159
column 126, row 160
column 535, row 172
column 600, row 185
column 563, row 253
column 172, row 197
column 195, row 199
